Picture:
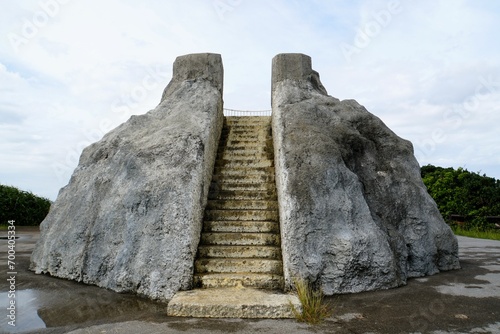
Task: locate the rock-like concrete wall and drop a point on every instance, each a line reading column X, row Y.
column 354, row 212
column 131, row 216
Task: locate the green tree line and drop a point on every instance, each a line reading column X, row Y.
column 464, row 193
column 457, row 191
column 24, row 207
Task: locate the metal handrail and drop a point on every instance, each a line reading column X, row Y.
column 234, row 112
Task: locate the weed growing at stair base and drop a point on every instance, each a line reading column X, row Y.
column 314, row 309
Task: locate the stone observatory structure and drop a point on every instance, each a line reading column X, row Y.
column 339, row 202
column 354, row 212
column 130, row 218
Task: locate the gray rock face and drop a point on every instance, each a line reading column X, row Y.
column 131, row 216
column 354, row 212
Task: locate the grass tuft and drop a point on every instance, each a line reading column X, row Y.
column 314, row 309
column 476, row 233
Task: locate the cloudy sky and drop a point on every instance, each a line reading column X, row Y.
column 71, row 70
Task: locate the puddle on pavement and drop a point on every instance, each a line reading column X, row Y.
column 26, row 316
column 36, row 309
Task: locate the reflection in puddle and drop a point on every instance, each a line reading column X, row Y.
column 26, row 312
column 72, row 307
column 73, row 304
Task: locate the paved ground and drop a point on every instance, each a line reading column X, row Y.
column 461, row 301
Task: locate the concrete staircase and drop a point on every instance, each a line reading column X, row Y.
column 240, row 243
column 239, row 265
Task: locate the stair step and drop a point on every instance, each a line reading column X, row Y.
column 244, row 155
column 242, row 130
column 240, row 239
column 240, row 126
column 246, row 126
column 227, row 186
column 258, row 141
column 249, row 130
column 245, row 145
column 256, row 129
column 258, row 132
column 241, row 226
column 251, row 280
column 236, row 302
column 244, row 150
column 246, row 119
column 239, row 265
column 238, row 146
column 251, row 178
column 244, row 171
column 240, row 177
column 262, row 137
column 243, row 194
column 249, row 251
column 241, row 205
column 241, row 215
column 253, row 138
column 244, row 163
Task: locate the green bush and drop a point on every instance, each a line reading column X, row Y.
column 24, row 207
column 464, row 193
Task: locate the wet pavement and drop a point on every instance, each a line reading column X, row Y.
column 460, row 301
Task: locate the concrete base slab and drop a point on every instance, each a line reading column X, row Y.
column 239, row 302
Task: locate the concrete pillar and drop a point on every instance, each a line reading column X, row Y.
column 295, row 67
column 196, row 66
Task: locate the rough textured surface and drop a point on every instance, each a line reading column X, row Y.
column 233, row 303
column 354, row 212
column 131, row 216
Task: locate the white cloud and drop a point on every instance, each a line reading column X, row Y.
column 93, row 64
